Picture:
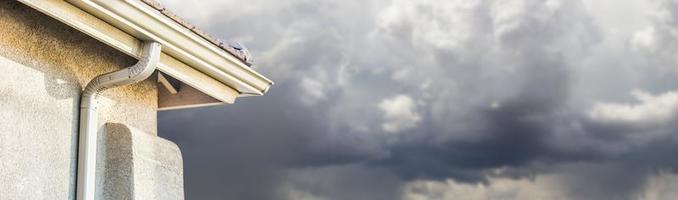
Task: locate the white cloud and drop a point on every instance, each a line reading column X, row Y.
column 650, row 109
column 542, row 187
column 658, row 40
column 661, row 186
column 399, row 113
column 314, row 90
column 645, row 39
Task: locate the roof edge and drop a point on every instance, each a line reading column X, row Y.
column 145, row 22
column 216, row 41
column 131, row 45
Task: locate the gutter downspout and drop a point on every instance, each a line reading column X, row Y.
column 87, row 143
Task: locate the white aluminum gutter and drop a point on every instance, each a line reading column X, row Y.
column 186, row 56
column 143, row 21
column 87, row 142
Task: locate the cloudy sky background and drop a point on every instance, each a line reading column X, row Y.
column 430, row 99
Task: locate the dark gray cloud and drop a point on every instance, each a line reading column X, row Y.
column 425, row 99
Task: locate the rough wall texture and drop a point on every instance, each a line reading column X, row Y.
column 136, row 165
column 43, row 66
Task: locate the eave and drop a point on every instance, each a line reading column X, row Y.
column 186, row 56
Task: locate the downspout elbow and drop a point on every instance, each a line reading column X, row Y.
column 87, row 141
column 140, row 71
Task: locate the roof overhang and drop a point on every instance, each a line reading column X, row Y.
column 186, row 56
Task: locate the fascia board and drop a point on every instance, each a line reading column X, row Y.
column 130, row 45
column 142, row 21
column 189, row 106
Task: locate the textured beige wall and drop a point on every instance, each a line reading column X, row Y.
column 136, row 165
column 43, row 66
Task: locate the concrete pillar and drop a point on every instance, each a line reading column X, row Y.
column 132, row 164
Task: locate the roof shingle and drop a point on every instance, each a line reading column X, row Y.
column 244, row 57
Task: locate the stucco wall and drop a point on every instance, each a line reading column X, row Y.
column 44, row 64
column 136, row 165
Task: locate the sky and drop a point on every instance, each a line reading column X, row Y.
column 439, row 99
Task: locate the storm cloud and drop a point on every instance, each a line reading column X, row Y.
column 398, row 99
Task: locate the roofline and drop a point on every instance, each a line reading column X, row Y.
column 127, row 22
